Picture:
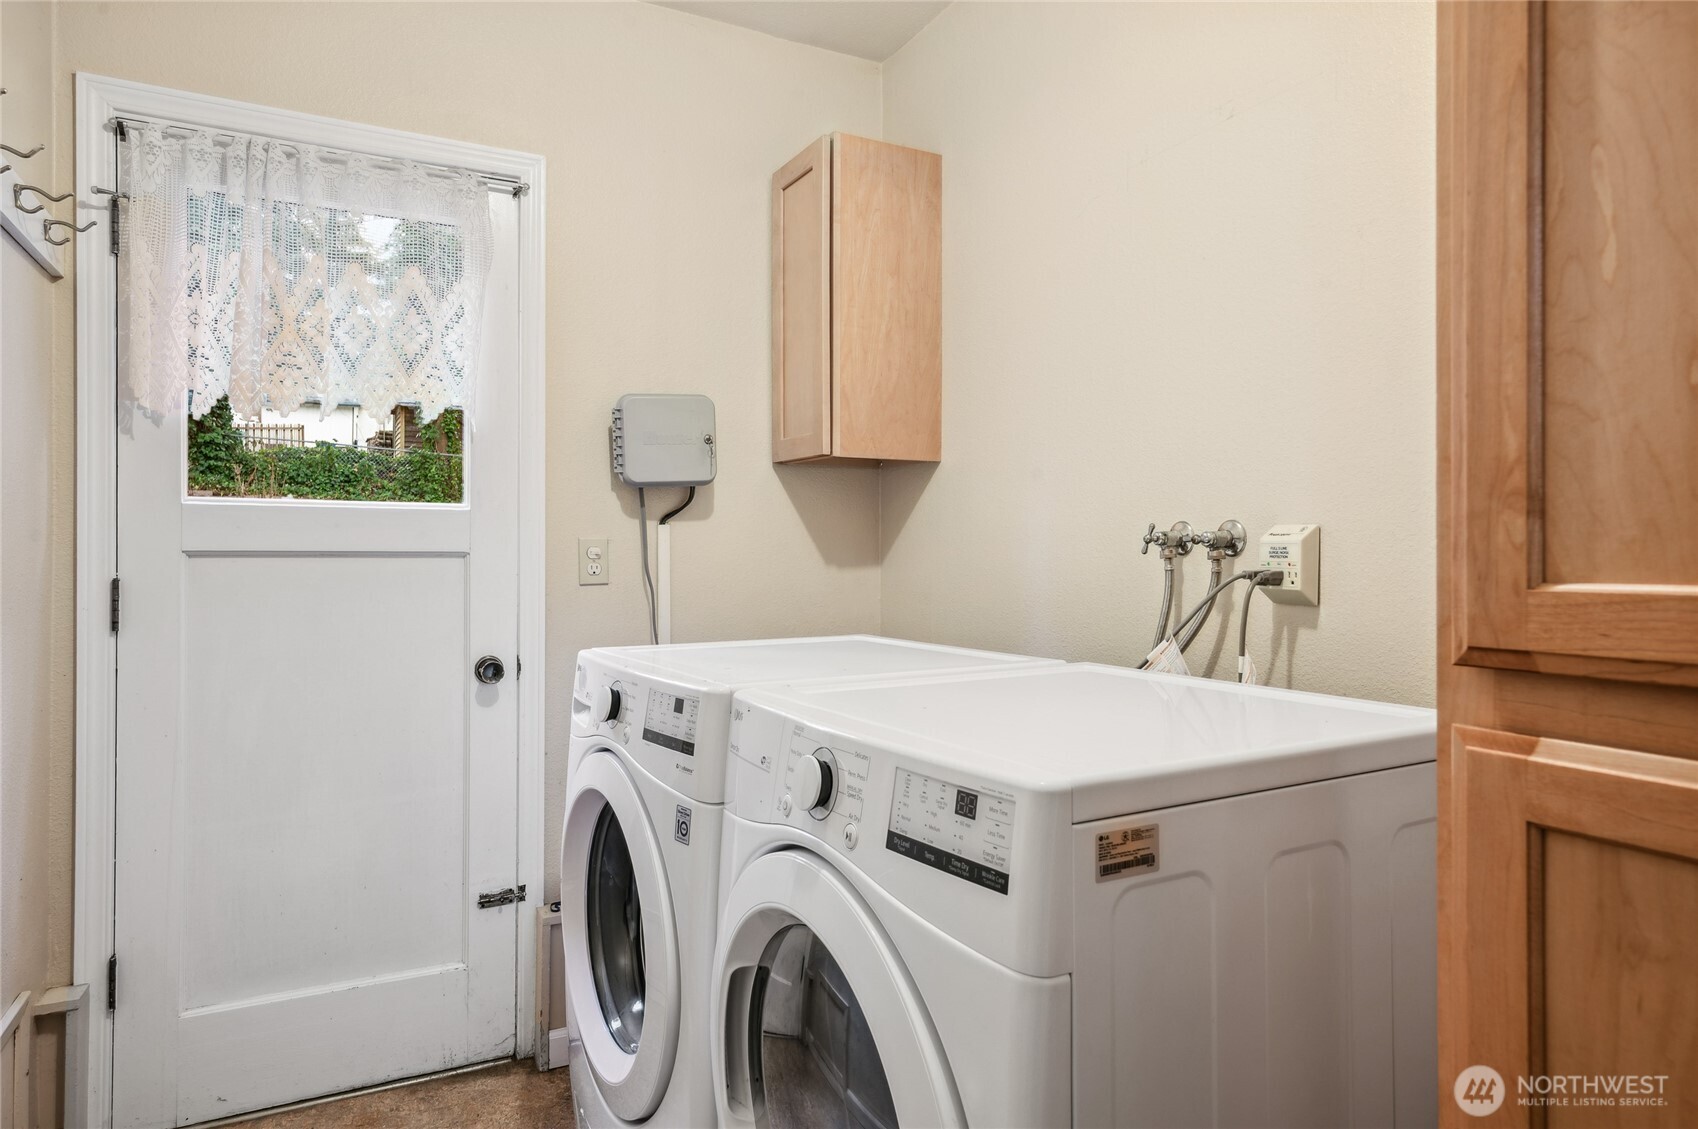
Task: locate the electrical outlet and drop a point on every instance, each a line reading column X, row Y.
column 1296, row 551
column 592, row 560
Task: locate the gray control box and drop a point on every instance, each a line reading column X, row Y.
column 664, row 440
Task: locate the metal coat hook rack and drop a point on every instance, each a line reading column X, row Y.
column 42, row 243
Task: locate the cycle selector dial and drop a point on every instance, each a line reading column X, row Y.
column 816, row 782
column 609, row 702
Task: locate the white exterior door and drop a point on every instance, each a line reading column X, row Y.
column 313, row 789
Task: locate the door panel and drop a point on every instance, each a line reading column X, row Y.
column 801, row 305
column 354, row 763
column 1578, row 919
column 1620, row 361
column 1609, row 1017
column 312, row 787
column 1572, row 245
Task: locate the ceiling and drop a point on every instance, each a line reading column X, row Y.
column 870, row 29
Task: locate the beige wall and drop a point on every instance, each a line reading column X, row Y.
column 1188, row 274
column 36, row 496
column 661, row 130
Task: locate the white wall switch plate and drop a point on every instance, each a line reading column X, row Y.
column 592, row 560
column 1296, row 551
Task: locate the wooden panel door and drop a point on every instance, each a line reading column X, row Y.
column 1568, row 467
column 313, row 787
column 801, row 306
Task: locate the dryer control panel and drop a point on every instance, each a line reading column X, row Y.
column 960, row 831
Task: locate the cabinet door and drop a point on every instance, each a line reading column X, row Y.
column 801, row 306
column 1568, row 518
column 1574, row 257
column 1580, row 911
column 886, row 295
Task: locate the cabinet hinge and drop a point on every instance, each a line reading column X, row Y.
column 112, row 982
column 116, row 597
column 502, row 897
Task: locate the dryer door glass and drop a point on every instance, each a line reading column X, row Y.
column 616, row 933
column 813, row 1061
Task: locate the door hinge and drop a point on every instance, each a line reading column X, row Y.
column 116, row 596
column 502, row 897
column 112, row 224
column 112, row 982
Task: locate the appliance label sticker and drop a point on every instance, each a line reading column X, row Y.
column 1126, row 851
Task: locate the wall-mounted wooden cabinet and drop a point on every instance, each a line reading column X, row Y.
column 857, row 294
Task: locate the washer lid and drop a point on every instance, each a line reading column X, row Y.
column 1120, row 740
column 814, row 1013
column 620, row 938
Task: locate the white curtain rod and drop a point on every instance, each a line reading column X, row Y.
column 496, row 180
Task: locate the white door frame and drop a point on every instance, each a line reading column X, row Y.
column 98, row 100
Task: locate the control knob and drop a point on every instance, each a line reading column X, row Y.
column 609, row 700
column 816, row 782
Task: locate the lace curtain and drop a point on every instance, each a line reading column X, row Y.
column 279, row 274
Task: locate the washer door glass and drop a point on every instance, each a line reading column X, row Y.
column 811, row 1052
column 615, row 915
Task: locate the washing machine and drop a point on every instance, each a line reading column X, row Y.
column 640, row 852
column 1080, row 895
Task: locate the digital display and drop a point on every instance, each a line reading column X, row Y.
column 941, row 825
column 671, row 722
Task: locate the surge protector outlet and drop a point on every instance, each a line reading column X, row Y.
column 1296, row 551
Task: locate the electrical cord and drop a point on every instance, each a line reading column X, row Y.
column 680, row 508
column 1209, row 598
column 1264, row 579
column 648, row 580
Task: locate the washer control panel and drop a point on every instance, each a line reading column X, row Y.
column 961, row 831
column 670, row 721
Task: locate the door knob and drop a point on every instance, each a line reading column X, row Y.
column 490, row 670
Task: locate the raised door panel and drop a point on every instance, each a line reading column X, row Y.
column 801, row 306
column 887, row 293
column 1576, row 908
column 1572, row 141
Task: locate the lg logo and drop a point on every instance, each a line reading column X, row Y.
column 1479, row 1091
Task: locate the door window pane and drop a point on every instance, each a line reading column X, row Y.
column 345, row 454
column 815, row 1060
column 615, row 915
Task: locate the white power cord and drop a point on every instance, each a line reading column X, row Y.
column 648, row 581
